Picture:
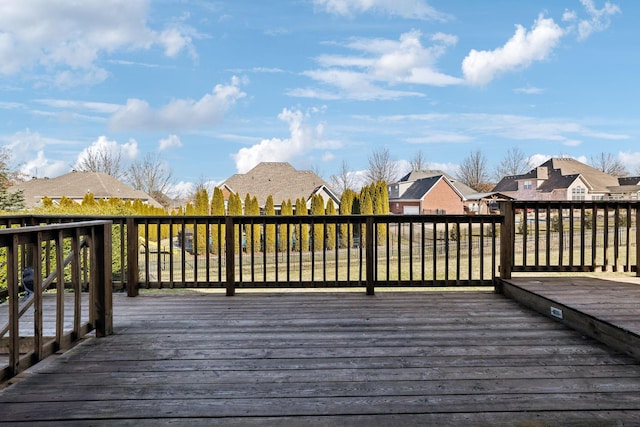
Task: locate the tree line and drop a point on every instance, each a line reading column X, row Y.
column 153, row 175
column 371, row 199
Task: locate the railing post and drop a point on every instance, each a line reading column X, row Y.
column 637, row 240
column 102, row 278
column 14, row 306
column 132, row 258
column 230, row 256
column 507, row 237
column 369, row 255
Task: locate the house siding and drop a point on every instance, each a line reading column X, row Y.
column 443, row 198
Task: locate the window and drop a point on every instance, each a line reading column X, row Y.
column 527, row 185
column 578, row 193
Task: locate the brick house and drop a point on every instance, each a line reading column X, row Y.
column 568, row 179
column 434, row 194
column 280, row 180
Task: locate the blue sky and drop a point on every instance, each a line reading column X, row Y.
column 218, row 86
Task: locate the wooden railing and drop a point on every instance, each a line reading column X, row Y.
column 77, row 249
column 340, row 251
column 563, row 236
column 235, row 252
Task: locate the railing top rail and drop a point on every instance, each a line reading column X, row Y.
column 533, row 203
column 6, row 234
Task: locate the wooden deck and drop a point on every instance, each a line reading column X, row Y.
column 330, row 359
column 607, row 309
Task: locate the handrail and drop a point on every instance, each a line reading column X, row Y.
column 30, row 245
column 410, row 250
column 45, row 285
column 334, row 251
column 570, row 236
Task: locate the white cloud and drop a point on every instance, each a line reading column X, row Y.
column 415, row 9
column 525, row 47
column 66, row 104
column 181, row 189
column 67, row 37
column 302, row 139
column 126, row 151
column 170, row 141
column 536, row 160
column 631, row 161
column 179, row 113
column 41, row 167
column 28, row 152
column 440, row 137
column 529, row 90
column 379, row 64
column 599, row 19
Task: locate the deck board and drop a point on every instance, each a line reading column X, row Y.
column 607, row 310
column 329, row 358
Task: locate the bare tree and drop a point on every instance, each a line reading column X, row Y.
column 343, row 180
column 418, row 162
column 9, row 201
column 101, row 159
column 608, row 164
column 514, row 162
column 381, row 167
column 316, row 169
column 8, row 176
column 153, row 176
column 473, row 171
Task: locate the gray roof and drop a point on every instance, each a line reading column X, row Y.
column 461, row 187
column 278, row 179
column 419, row 188
column 629, row 180
column 74, row 185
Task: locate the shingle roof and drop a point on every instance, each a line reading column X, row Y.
column 278, row 179
column 562, row 172
column 462, row 188
column 629, row 180
column 598, row 180
column 419, row 188
column 75, row 185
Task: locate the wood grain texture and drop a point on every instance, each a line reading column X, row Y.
column 329, row 359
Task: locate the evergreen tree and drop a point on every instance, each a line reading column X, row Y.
column 217, row 233
column 270, row 232
column 256, row 235
column 286, row 231
column 366, row 208
column 88, row 200
column 346, row 204
column 302, row 230
column 381, row 207
column 331, row 228
column 234, row 208
column 317, row 208
column 201, row 208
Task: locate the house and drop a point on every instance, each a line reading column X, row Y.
column 280, row 180
column 563, row 178
column 435, row 192
column 429, row 195
column 75, row 185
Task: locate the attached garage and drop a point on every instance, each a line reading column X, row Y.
column 410, row 210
